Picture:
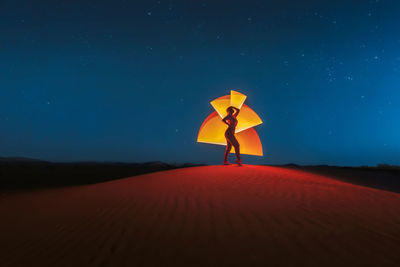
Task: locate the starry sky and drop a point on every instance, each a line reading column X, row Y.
column 132, row 80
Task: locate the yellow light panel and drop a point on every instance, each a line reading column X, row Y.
column 250, row 143
column 237, row 99
column 221, row 104
column 212, row 130
column 247, row 118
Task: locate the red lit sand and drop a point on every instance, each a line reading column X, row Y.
column 203, row 216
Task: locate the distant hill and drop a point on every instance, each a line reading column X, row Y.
column 20, row 159
column 25, row 173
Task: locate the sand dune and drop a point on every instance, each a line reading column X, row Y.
column 203, row 216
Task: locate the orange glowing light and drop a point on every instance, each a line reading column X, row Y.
column 213, row 129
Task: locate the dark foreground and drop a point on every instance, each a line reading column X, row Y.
column 203, row 216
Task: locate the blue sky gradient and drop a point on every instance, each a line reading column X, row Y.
column 132, row 80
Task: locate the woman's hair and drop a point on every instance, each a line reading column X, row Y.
column 229, row 110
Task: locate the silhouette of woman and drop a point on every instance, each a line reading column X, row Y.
column 231, row 140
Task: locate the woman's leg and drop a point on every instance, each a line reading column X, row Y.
column 231, row 139
column 236, row 145
column 227, row 151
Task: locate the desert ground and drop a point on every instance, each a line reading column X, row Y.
column 203, row 216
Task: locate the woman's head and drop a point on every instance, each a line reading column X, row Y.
column 230, row 110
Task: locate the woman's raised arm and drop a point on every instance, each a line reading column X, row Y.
column 237, row 112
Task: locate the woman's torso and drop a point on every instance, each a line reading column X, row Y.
column 232, row 122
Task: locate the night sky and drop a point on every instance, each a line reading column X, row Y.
column 132, row 80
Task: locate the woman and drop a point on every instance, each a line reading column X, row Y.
column 231, row 140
